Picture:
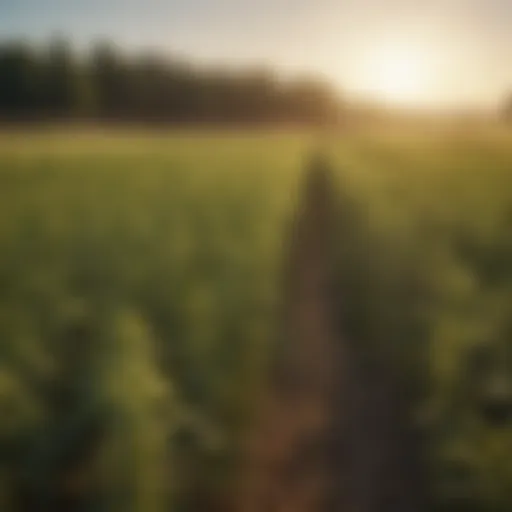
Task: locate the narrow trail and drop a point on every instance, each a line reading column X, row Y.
column 333, row 434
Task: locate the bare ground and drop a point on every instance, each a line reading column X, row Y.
column 333, row 434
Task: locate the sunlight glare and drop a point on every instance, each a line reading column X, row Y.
column 399, row 74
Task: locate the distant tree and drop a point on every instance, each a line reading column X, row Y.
column 18, row 79
column 60, row 83
column 152, row 87
column 507, row 109
column 108, row 77
column 312, row 101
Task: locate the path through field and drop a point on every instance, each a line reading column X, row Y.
column 333, row 433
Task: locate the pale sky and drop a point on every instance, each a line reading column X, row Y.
column 461, row 50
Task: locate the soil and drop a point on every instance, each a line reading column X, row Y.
column 333, row 432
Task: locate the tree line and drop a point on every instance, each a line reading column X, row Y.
column 105, row 83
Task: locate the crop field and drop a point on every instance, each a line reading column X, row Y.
column 425, row 257
column 142, row 289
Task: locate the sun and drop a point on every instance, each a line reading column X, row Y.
column 399, row 74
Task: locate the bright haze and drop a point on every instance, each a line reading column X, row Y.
column 442, row 53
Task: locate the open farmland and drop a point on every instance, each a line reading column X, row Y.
column 142, row 289
column 424, row 263
column 139, row 274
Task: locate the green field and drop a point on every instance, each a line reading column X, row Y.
column 158, row 257
column 425, row 248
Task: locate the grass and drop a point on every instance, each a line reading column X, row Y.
column 424, row 258
column 168, row 248
column 176, row 238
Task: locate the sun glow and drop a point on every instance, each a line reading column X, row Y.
column 398, row 74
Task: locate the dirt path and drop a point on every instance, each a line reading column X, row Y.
column 333, row 435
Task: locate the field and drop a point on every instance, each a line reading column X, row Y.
column 426, row 251
column 142, row 286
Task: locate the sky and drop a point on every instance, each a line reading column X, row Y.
column 437, row 52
